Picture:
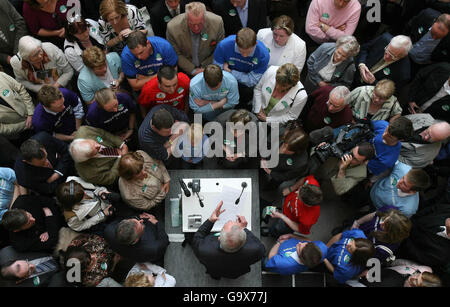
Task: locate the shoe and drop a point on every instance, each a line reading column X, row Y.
column 264, row 231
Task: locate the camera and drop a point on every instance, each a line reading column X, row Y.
column 350, row 136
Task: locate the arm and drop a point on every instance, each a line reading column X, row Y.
column 366, row 218
column 249, row 79
column 313, row 59
column 80, row 225
column 312, row 23
column 63, row 66
column 258, row 96
column 293, row 225
column 350, row 28
column 138, row 82
column 19, row 23
column 183, row 62
column 274, row 250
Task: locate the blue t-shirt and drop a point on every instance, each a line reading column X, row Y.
column 339, row 256
column 62, row 122
column 287, row 262
column 385, row 192
column 247, row 70
column 163, row 54
column 112, row 121
column 7, row 179
column 386, row 155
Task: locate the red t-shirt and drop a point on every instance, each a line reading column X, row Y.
column 152, row 95
column 297, row 211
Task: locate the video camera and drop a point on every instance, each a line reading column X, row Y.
column 350, row 136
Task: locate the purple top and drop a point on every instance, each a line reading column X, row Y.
column 37, row 19
column 374, row 225
column 112, row 121
column 63, row 122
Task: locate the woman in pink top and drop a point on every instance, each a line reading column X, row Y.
column 327, row 20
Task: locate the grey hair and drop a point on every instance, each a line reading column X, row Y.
column 195, row 8
column 233, row 240
column 28, row 45
column 401, row 41
column 341, row 92
column 80, row 150
column 349, row 44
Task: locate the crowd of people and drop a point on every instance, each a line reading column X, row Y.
column 100, row 98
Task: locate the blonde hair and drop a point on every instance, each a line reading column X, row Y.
column 195, row 8
column 93, row 57
column 195, row 133
column 385, row 88
column 288, row 74
column 104, row 95
column 285, row 23
column 112, row 6
column 138, row 280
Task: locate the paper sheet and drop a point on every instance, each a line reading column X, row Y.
column 229, row 196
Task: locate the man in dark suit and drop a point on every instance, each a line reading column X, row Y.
column 33, row 223
column 429, row 92
column 231, row 254
column 162, row 12
column 26, row 269
column 238, row 14
column 44, row 163
column 429, row 34
column 140, row 239
column 384, row 57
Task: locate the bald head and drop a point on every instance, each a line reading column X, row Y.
column 436, row 132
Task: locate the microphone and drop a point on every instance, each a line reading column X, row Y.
column 243, row 185
column 184, row 188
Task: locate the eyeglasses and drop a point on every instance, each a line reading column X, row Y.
column 393, row 56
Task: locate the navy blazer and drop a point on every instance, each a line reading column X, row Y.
column 219, row 263
column 35, row 178
column 151, row 246
column 257, row 15
column 160, row 16
column 372, row 52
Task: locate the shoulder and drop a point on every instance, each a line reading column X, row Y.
column 213, row 19
column 354, row 233
column 183, row 79
column 176, row 22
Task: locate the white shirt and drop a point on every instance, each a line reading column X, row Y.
column 327, row 72
column 444, row 91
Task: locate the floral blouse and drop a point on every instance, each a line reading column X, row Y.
column 135, row 20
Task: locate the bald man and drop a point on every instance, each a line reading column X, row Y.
column 429, row 134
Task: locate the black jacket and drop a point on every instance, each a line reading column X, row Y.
column 160, row 16
column 372, row 52
column 29, row 240
column 418, row 27
column 35, row 178
column 151, row 246
column 222, row 264
column 257, row 15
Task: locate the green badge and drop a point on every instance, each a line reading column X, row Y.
column 327, row 120
column 231, row 62
column 154, row 166
column 387, row 71
column 394, row 182
column 226, row 142
column 36, row 281
column 284, row 103
column 150, row 72
column 269, row 90
column 420, row 30
column 175, row 103
column 445, row 107
column 337, row 74
column 99, row 139
column 232, row 12
column 144, row 188
column 224, row 89
column 287, row 254
column 268, row 49
column 255, row 61
column 160, row 95
column 158, row 57
column 137, row 63
column 180, row 90
column 325, row 15
column 12, row 27
column 63, row 9
column 217, row 234
column 6, row 93
column 104, row 266
column 204, row 36
column 167, row 18
column 289, row 161
column 346, row 258
column 120, row 108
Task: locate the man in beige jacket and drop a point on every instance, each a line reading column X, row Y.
column 194, row 35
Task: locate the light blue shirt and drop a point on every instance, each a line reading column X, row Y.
column 243, row 14
column 7, row 179
column 385, row 192
column 421, row 51
column 199, row 89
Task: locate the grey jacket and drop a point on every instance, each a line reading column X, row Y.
column 12, row 28
column 343, row 75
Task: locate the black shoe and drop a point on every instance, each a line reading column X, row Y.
column 265, row 231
